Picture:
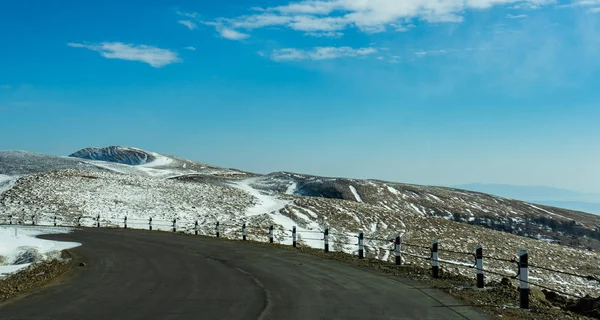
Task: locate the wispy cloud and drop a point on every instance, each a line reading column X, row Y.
column 226, row 32
column 232, row 34
column 329, row 34
column 594, row 10
column 320, row 53
column 192, row 15
column 530, row 6
column 315, row 17
column 188, row 24
column 581, row 3
column 516, row 16
column 423, row 53
column 402, row 28
column 156, row 57
column 190, row 48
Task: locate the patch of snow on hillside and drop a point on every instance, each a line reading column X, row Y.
column 6, row 182
column 265, row 203
column 355, row 193
column 434, row 197
column 141, row 170
column 416, row 209
column 20, row 247
column 551, row 213
column 394, row 191
column 159, row 161
column 291, row 189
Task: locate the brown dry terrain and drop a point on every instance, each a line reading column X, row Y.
column 35, row 276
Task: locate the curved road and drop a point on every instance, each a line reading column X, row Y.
column 136, row 274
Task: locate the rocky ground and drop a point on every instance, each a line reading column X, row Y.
column 35, row 276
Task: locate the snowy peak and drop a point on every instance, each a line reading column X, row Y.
column 117, row 154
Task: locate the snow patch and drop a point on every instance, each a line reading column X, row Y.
column 291, row 189
column 548, row 212
column 6, row 182
column 159, row 161
column 265, row 204
column 416, row 209
column 355, row 193
column 20, row 247
column 394, row 191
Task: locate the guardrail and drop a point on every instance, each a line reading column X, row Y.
column 522, row 263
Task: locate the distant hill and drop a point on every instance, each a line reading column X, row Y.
column 556, row 197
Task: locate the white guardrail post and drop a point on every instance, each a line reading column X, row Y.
column 326, row 239
column 150, row 224
column 524, row 279
column 271, row 234
column 479, row 265
column 217, row 230
column 361, row 244
column 397, row 250
column 435, row 267
column 244, row 232
column 294, row 236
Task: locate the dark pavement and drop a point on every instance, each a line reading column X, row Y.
column 135, row 274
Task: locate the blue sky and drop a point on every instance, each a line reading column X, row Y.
column 431, row 91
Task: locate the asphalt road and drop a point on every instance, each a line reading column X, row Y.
column 135, row 274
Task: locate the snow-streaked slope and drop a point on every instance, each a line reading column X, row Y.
column 72, row 193
column 14, row 163
column 20, row 247
column 18, row 163
column 355, row 193
column 431, row 201
column 118, row 154
column 149, row 163
column 265, row 203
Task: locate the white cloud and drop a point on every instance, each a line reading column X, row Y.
column 530, row 6
column 188, row 24
column 192, row 15
column 328, row 34
column 190, row 48
column 517, row 16
column 581, row 3
column 423, row 53
column 232, row 34
column 594, row 10
column 369, row 16
column 226, row 32
column 156, row 57
column 320, row 53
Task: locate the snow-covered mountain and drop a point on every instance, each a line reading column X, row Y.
column 166, row 188
column 123, row 155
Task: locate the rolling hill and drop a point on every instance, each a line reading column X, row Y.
column 140, row 184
